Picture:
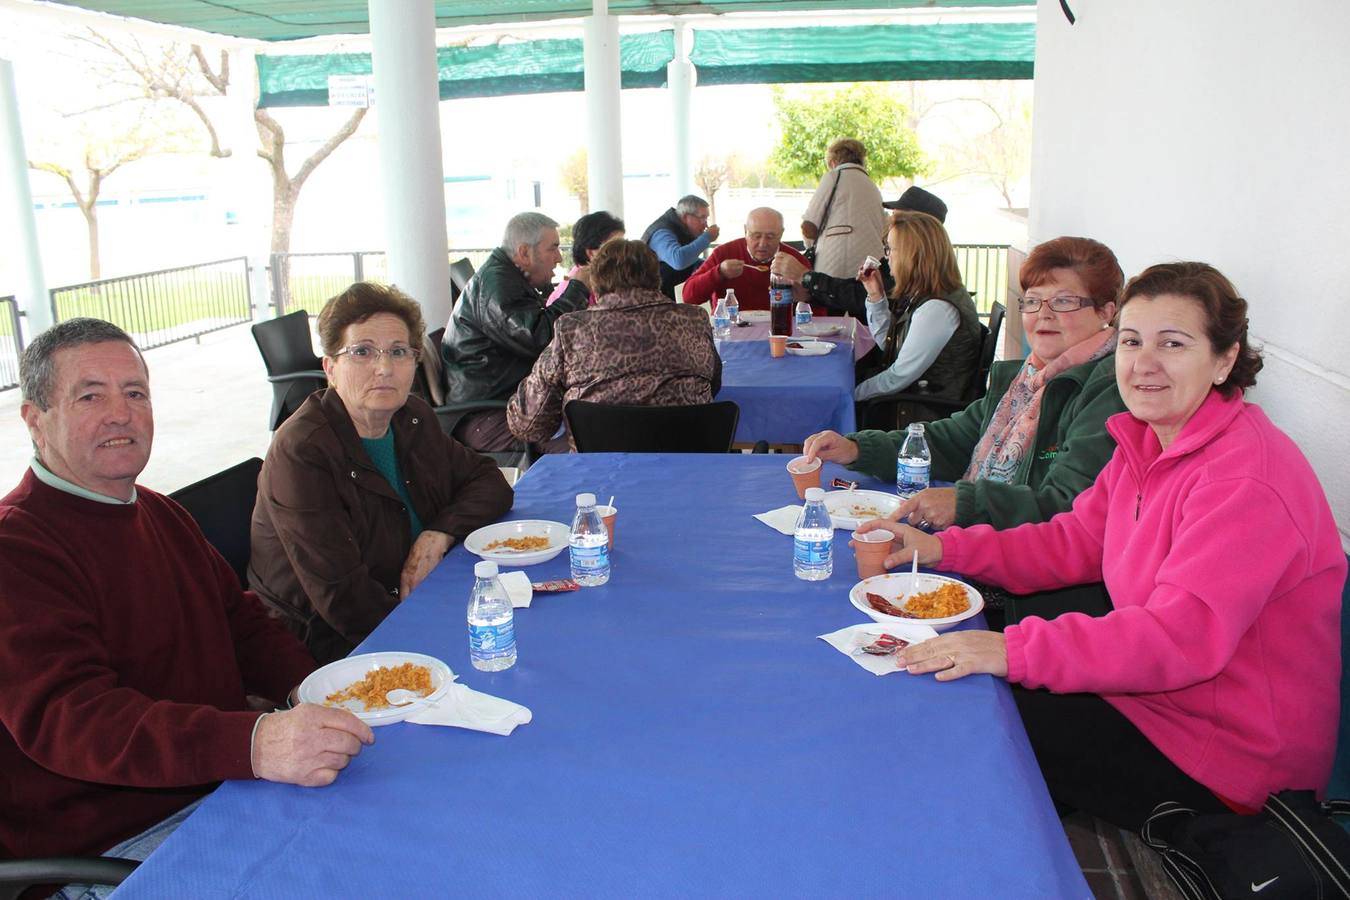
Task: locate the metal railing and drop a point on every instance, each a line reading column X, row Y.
column 11, row 343
column 158, row 308
column 984, row 271
column 308, row 280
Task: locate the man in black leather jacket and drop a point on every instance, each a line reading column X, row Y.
column 500, row 326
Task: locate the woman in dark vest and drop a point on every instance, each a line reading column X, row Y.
column 928, row 330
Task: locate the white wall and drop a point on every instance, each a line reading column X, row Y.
column 1216, row 130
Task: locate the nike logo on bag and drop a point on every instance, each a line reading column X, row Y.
column 1257, row 888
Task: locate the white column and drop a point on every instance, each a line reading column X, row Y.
column 17, row 197
column 247, row 187
column 680, row 82
column 407, row 110
column 604, row 149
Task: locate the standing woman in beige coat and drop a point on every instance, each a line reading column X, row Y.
column 845, row 217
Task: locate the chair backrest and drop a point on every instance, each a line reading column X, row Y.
column 614, row 428
column 430, row 381
column 987, row 348
column 285, row 344
column 222, row 505
column 461, row 270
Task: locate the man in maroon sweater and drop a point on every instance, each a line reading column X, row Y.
column 743, row 264
column 127, row 647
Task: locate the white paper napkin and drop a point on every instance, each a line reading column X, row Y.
column 463, row 707
column 847, row 640
column 517, row 585
column 783, row 519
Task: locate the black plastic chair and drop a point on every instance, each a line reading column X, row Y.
column 17, row 875
column 222, row 504
column 917, row 405
column 450, row 414
column 461, row 270
column 292, row 368
column 617, row 428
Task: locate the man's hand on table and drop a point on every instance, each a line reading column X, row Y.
column 958, row 654
column 307, row 745
column 935, row 507
column 830, row 446
column 731, row 269
column 906, row 539
column 428, row 550
column 785, row 265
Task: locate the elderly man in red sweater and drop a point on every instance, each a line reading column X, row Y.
column 743, row 264
column 128, row 649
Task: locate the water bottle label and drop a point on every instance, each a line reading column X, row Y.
column 721, row 321
column 591, row 559
column 811, row 553
column 911, row 477
column 492, row 638
column 804, row 318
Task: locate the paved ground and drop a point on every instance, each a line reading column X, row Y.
column 211, row 403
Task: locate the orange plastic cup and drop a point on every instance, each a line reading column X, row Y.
column 777, row 345
column 608, row 514
column 870, row 550
column 804, row 475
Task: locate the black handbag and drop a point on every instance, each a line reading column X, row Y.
column 810, row 252
column 1292, row 849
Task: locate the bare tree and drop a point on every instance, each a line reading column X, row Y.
column 85, row 148
column 710, row 175
column 173, row 72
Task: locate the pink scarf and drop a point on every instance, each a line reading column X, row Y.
column 1012, row 430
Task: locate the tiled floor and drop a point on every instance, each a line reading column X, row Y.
column 1116, row 866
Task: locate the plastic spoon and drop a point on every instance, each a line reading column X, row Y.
column 402, row 697
column 913, row 580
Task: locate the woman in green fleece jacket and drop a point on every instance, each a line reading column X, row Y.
column 1025, row 450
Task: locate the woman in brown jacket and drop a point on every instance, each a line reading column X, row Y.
column 361, row 493
column 635, row 346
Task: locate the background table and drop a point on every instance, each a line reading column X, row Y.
column 786, row 400
column 854, row 332
column 691, row 737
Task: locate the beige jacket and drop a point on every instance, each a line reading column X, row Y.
column 855, row 227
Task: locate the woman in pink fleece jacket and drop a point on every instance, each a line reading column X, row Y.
column 1215, row 679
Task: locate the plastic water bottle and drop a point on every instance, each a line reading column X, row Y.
column 733, row 306
column 803, row 314
column 492, row 626
column 721, row 321
column 813, row 542
column 589, row 544
column 912, row 463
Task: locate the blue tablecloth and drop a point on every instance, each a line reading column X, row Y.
column 691, row 737
column 786, row 400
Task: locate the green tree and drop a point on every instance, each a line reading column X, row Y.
column 810, row 122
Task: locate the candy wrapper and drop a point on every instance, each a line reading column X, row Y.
column 556, row 586
column 846, row 485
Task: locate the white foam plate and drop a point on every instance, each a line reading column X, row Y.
column 894, row 585
column 809, row 348
column 343, row 673
column 556, row 532
column 820, row 329
column 849, row 509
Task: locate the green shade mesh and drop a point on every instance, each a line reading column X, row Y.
column 743, row 56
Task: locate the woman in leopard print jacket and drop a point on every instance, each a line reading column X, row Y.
column 635, row 346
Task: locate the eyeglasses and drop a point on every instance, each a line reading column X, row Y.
column 1060, row 303
column 365, row 354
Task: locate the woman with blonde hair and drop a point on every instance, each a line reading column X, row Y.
column 928, row 329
